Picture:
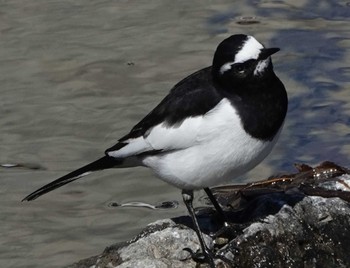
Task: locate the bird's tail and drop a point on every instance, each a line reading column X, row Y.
column 102, row 163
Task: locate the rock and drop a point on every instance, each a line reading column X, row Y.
column 161, row 244
column 271, row 229
column 313, row 233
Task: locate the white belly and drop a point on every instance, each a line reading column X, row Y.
column 220, row 152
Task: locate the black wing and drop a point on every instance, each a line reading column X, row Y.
column 195, row 95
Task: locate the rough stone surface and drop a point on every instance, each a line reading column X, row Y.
column 277, row 229
column 313, row 233
column 161, row 244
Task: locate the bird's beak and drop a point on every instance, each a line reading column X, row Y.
column 267, row 52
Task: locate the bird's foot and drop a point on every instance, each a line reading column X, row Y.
column 202, row 257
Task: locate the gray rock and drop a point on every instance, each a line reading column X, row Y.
column 313, row 233
column 277, row 229
column 160, row 245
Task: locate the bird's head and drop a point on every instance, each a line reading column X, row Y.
column 241, row 57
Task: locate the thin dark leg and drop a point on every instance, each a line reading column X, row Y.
column 187, row 196
column 228, row 230
column 217, row 206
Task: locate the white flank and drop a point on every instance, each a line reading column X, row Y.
column 214, row 149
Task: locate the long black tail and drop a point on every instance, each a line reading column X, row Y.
column 102, row 163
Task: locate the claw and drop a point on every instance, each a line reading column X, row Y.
column 198, row 257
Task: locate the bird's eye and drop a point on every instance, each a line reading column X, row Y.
column 239, row 67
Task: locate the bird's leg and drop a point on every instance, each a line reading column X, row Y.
column 187, row 196
column 227, row 229
column 217, row 206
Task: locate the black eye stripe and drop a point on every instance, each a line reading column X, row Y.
column 238, row 67
column 243, row 65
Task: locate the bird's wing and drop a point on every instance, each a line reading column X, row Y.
column 166, row 128
column 174, row 123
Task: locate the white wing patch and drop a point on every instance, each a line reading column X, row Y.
column 134, row 146
column 177, row 137
column 163, row 137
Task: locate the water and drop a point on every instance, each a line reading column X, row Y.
column 77, row 75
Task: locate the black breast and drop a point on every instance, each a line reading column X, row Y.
column 262, row 106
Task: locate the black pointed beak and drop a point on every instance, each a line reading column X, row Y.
column 267, row 52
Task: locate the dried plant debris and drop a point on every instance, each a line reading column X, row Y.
column 326, row 180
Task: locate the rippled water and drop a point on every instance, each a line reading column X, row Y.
column 76, row 75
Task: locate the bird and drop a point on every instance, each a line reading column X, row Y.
column 212, row 127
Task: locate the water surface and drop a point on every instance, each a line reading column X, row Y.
column 77, row 75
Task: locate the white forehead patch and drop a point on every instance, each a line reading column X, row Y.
column 250, row 50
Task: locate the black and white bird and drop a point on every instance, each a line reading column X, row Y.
column 212, row 127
